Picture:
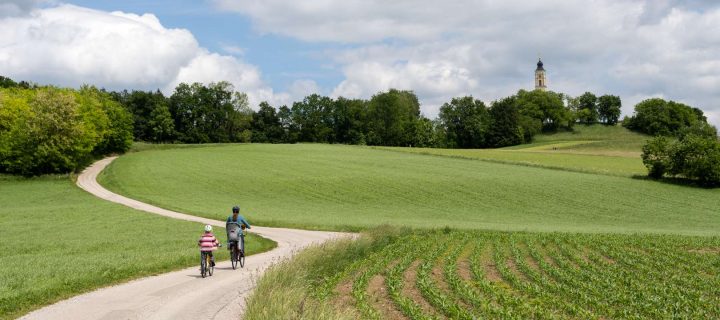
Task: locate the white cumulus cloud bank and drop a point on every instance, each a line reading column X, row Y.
column 68, row 45
column 441, row 49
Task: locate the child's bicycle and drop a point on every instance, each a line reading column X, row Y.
column 236, row 242
column 206, row 266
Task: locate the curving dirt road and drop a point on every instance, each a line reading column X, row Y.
column 180, row 294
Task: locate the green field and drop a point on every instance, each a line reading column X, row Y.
column 594, row 139
column 350, row 188
column 494, row 275
column 593, row 149
column 59, row 241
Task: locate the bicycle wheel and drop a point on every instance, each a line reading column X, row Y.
column 203, row 265
column 210, row 268
column 241, row 257
column 234, row 256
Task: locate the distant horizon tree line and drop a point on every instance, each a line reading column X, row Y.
column 215, row 113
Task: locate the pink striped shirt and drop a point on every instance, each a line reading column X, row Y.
column 208, row 242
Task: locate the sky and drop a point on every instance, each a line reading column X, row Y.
column 280, row 51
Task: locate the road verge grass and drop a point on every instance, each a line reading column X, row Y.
column 300, row 288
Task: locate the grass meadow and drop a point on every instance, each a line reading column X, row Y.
column 351, row 188
column 59, row 241
column 609, row 150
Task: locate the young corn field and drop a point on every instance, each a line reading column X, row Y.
column 473, row 275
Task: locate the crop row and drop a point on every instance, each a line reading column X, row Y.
column 470, row 275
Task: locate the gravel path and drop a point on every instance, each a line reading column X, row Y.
column 181, row 294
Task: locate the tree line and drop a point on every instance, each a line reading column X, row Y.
column 200, row 113
column 44, row 129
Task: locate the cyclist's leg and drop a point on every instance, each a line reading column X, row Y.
column 212, row 259
column 242, row 244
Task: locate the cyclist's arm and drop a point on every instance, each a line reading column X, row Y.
column 247, row 225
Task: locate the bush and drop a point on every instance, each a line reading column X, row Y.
column 51, row 130
column 656, row 157
column 694, row 157
column 697, row 158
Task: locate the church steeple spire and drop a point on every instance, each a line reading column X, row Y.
column 540, row 81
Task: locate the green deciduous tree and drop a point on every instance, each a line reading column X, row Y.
column 505, row 128
column 290, row 130
column 547, row 107
column 391, row 118
column 112, row 121
column 609, row 108
column 350, row 120
column 50, row 130
column 212, row 113
column 160, row 125
column 313, row 118
column 587, row 108
column 266, row 125
column 466, row 122
column 656, row 157
column 660, row 117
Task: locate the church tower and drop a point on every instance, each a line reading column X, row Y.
column 540, row 81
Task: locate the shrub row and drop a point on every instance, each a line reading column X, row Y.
column 52, row 130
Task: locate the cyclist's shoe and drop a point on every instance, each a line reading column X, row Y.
column 212, row 263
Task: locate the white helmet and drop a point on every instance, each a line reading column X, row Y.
column 208, row 228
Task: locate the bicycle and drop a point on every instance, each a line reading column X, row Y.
column 206, row 266
column 206, row 261
column 236, row 242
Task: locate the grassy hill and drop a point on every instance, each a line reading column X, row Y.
column 600, row 149
column 349, row 187
column 593, row 139
column 59, row 241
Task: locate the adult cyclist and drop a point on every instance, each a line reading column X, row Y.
column 237, row 219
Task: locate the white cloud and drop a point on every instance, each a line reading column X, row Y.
column 68, row 45
column 18, row 7
column 233, row 49
column 211, row 67
column 302, row 88
column 440, row 49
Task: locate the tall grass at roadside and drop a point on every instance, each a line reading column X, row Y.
column 300, row 288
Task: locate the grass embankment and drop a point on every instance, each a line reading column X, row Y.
column 593, row 149
column 593, row 139
column 59, row 241
column 351, row 188
column 496, row 275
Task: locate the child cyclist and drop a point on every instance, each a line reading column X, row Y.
column 208, row 243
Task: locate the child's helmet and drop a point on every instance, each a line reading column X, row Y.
column 236, row 209
column 208, row 228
